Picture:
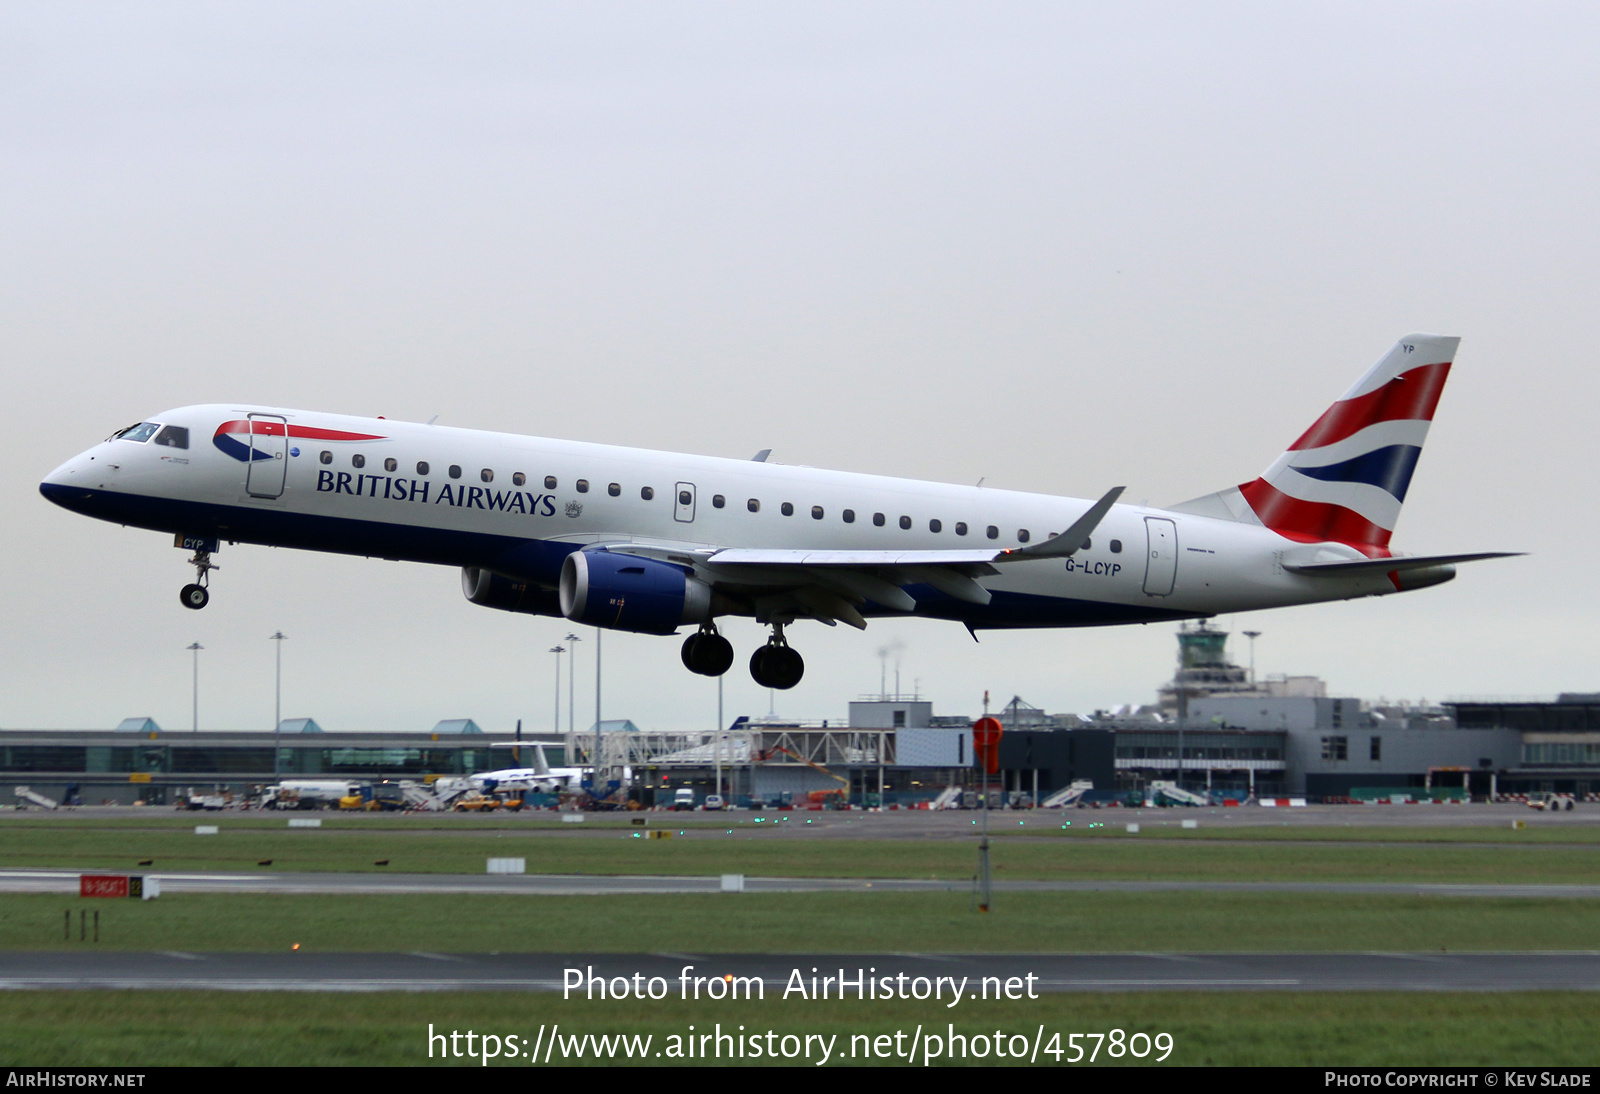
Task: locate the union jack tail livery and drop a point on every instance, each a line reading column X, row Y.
column 1346, row 477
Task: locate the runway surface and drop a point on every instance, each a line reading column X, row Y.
column 1124, row 972
column 66, row 882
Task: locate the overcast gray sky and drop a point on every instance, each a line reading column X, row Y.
column 1064, row 246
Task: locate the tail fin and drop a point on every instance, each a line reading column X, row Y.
column 1346, row 477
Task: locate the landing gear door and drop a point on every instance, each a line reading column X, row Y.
column 269, row 456
column 683, row 503
column 1161, row 559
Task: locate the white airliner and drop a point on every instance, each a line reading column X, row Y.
column 541, row 776
column 653, row 541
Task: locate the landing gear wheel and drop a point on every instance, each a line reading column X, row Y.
column 777, row 667
column 715, row 654
column 194, row 595
column 707, row 653
column 787, row 666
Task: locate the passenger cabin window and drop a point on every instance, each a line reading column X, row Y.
column 754, row 505
column 325, row 456
column 583, row 486
column 455, row 471
column 422, row 466
column 992, row 532
column 1086, row 544
column 849, row 516
column 174, row 436
column 141, row 432
column 961, row 527
column 1022, row 535
column 718, row 501
column 358, row 460
column 1116, row 546
column 905, row 522
column 518, row 479
column 935, row 525
column 816, row 512
column 549, row 482
column 877, row 520
column 685, row 498
column 391, row 464
column 486, row 475
column 787, row 509
column 614, row 489
column 648, row 493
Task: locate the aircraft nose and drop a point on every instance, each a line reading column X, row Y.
column 63, row 475
column 68, row 483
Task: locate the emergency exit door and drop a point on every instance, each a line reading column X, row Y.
column 683, row 502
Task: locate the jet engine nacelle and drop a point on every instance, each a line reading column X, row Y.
column 628, row 593
column 491, row 590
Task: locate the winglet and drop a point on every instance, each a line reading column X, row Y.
column 1070, row 541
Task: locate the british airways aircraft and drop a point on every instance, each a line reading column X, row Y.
column 653, row 541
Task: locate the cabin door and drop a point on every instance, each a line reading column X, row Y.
column 1161, row 561
column 269, row 456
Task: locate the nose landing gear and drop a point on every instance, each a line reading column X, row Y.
column 707, row 652
column 775, row 665
column 195, row 595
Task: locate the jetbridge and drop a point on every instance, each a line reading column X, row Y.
column 762, row 762
column 778, row 745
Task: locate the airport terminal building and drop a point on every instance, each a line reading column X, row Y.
column 1214, row 729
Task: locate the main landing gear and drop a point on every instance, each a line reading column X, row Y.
column 775, row 665
column 195, row 595
column 707, row 652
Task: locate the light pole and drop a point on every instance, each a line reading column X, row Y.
column 195, row 648
column 1252, row 635
column 572, row 641
column 277, row 708
column 558, row 651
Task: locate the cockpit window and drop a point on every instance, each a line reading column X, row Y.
column 174, row 436
column 141, row 432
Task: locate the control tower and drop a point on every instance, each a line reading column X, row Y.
column 1203, row 669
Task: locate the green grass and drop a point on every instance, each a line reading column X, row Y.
column 1169, row 826
column 140, row 1029
column 793, row 922
column 134, row 1029
column 708, row 851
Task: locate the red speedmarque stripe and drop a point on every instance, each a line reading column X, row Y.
column 304, row 432
column 1413, row 395
column 1315, row 521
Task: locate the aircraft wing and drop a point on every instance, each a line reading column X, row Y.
column 833, row 585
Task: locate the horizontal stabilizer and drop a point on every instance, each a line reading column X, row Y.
column 1389, row 565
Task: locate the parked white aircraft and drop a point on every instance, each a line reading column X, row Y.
column 652, row 541
column 541, row 776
